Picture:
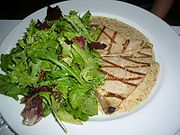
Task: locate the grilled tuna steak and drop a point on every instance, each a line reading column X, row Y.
column 126, row 64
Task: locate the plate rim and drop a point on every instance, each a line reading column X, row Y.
column 153, row 17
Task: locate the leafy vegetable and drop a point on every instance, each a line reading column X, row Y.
column 10, row 89
column 54, row 69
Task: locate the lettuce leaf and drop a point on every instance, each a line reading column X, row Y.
column 59, row 51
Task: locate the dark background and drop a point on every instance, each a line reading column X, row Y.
column 19, row 9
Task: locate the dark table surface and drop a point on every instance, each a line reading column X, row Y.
column 19, row 9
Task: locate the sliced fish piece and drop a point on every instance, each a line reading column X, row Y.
column 126, row 63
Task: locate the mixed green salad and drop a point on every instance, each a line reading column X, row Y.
column 55, row 68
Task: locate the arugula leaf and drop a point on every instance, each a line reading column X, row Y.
column 76, row 97
column 76, row 22
column 6, row 62
column 65, row 85
column 21, row 75
column 10, row 89
column 67, row 117
column 86, row 18
column 89, row 105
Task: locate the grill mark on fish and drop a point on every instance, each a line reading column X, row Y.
column 146, row 46
column 102, row 31
column 125, row 45
column 138, row 62
column 118, row 66
column 139, row 66
column 119, row 79
column 132, row 78
column 141, row 45
column 140, row 57
column 144, row 55
column 125, row 79
column 110, row 66
column 130, row 56
column 125, row 67
column 93, row 25
column 112, row 40
column 110, row 94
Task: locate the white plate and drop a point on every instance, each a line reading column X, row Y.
column 159, row 115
